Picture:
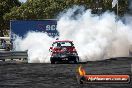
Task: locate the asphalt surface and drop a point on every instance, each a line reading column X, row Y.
column 24, row 75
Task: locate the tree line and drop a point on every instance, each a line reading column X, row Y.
column 49, row 9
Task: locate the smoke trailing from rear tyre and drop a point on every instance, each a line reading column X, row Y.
column 96, row 37
column 37, row 46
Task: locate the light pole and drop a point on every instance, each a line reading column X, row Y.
column 117, row 9
column 114, row 2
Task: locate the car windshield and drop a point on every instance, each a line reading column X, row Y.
column 59, row 44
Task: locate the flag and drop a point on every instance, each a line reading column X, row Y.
column 114, row 2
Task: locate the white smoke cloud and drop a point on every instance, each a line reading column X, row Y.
column 95, row 37
column 37, row 44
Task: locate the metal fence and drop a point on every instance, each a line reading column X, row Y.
column 19, row 55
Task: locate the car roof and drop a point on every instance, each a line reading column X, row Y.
column 63, row 41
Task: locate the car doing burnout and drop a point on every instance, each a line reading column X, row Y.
column 63, row 51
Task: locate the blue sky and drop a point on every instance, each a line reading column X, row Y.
column 22, row 0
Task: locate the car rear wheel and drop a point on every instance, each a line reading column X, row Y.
column 76, row 60
column 52, row 62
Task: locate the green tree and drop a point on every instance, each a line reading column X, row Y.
column 5, row 6
column 122, row 6
column 36, row 9
column 48, row 9
column 43, row 9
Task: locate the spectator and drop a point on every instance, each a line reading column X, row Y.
column 1, row 35
column 8, row 47
column 4, row 44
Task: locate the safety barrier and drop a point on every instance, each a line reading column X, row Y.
column 17, row 55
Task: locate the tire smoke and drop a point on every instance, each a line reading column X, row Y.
column 37, row 44
column 96, row 37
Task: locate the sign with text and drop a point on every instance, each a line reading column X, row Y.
column 22, row 27
column 108, row 78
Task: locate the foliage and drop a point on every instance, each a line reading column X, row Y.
column 5, row 6
column 49, row 9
